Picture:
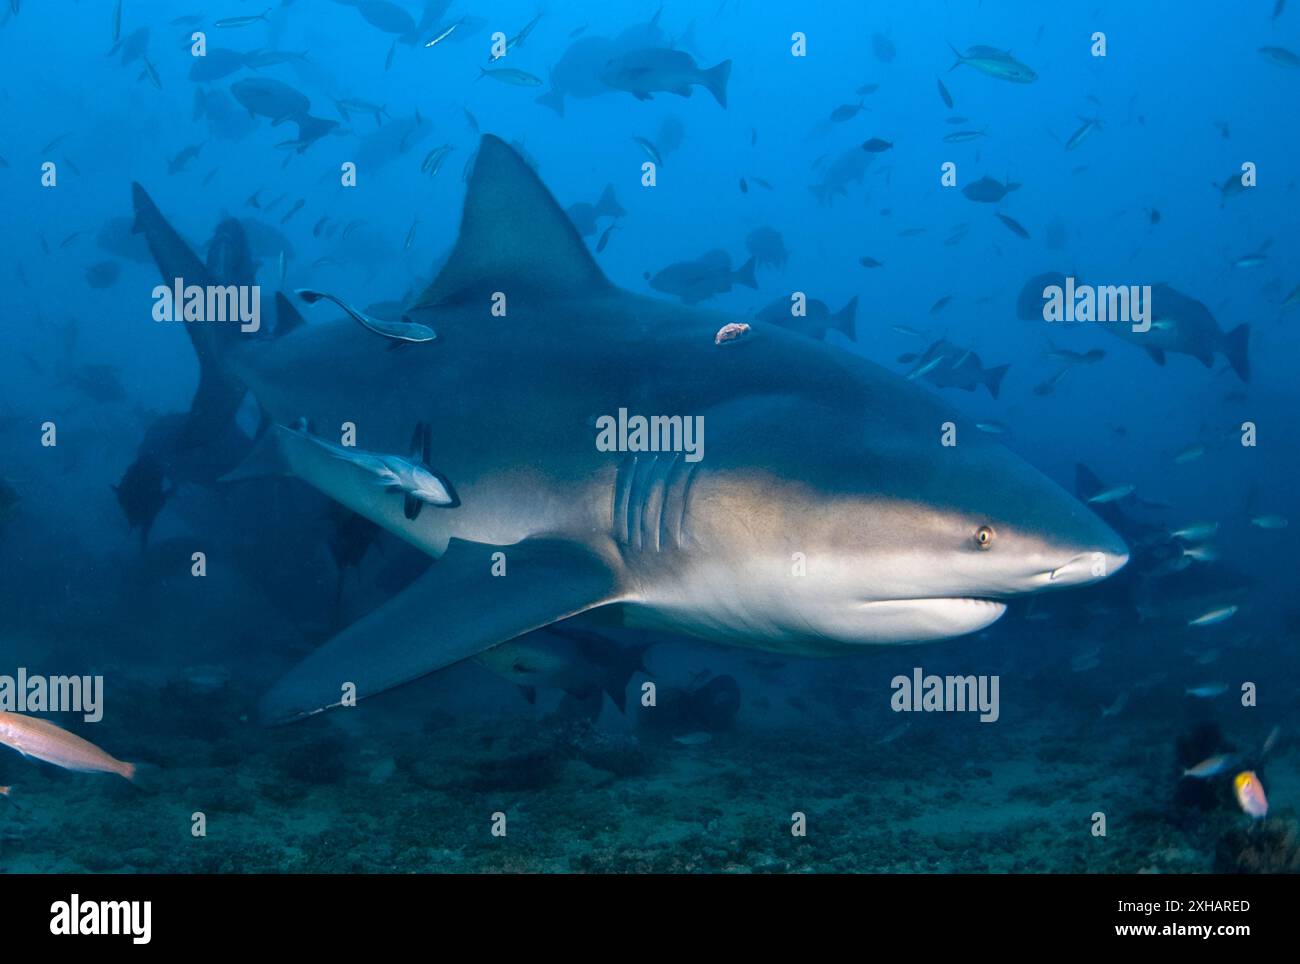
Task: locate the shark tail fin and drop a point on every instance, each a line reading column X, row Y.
column 219, row 393
column 745, row 274
column 628, row 661
column 311, row 129
column 618, row 664
column 845, row 320
column 1235, row 345
column 608, row 204
column 554, row 99
column 715, row 79
column 993, row 379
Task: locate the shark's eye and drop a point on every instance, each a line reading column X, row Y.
column 984, row 537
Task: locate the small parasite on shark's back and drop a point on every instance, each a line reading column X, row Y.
column 731, row 332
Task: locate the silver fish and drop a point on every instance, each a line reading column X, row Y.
column 398, row 330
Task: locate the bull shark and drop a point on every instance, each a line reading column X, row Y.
column 824, row 517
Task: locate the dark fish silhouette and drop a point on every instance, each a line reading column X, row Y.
column 142, row 493
column 988, row 191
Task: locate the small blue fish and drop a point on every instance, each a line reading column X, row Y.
column 1211, row 766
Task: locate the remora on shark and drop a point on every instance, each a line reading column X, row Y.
column 827, row 515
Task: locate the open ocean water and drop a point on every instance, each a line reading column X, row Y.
column 621, row 437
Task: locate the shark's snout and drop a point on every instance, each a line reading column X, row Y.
column 1067, row 544
column 1089, row 567
column 1063, row 546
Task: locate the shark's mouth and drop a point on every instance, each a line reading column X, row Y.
column 922, row 620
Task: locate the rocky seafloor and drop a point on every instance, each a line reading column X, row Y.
column 394, row 786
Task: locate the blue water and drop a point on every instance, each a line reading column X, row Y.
column 1094, row 716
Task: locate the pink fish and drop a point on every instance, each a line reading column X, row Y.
column 1250, row 794
column 53, row 744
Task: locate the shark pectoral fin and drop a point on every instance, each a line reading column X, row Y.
column 411, row 507
column 473, row 598
column 219, row 394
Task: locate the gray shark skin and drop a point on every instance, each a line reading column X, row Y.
column 825, row 514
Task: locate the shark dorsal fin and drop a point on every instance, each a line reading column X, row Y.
column 512, row 235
